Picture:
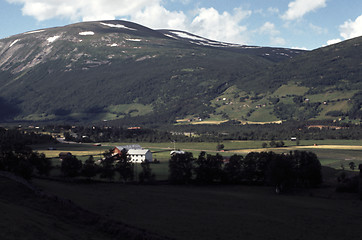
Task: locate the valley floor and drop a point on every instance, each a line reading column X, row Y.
column 220, row 212
column 336, row 154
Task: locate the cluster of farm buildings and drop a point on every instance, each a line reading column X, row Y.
column 136, row 153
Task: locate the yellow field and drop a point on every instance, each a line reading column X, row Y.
column 246, row 151
column 262, row 123
column 292, row 148
column 55, row 153
column 208, row 122
column 339, row 147
column 214, row 122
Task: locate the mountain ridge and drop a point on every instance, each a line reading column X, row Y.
column 119, row 70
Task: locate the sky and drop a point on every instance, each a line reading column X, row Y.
column 303, row 24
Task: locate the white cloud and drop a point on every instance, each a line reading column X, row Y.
column 351, row 29
column 82, row 9
column 185, row 2
column 224, row 26
column 156, row 16
column 333, row 41
column 207, row 22
column 273, row 10
column 41, row 11
column 270, row 30
column 267, row 12
column 299, row 8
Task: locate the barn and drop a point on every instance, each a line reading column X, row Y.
column 118, row 149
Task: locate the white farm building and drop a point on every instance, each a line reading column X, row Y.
column 140, row 155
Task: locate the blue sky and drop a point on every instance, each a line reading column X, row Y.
column 306, row 24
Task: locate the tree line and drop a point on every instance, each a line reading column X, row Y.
column 107, row 168
column 16, row 157
column 284, row 171
column 232, row 130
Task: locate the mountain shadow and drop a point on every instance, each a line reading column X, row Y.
column 7, row 110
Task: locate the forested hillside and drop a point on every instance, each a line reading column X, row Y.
column 117, row 70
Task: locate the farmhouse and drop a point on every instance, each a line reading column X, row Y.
column 140, row 155
column 118, row 149
column 135, row 152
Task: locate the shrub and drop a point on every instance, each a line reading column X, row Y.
column 71, row 166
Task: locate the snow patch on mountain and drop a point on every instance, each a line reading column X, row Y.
column 251, row 47
column 36, row 31
column 185, row 35
column 17, row 40
column 134, row 39
column 52, row 39
column 203, row 44
column 199, row 40
column 118, row 26
column 171, row 36
column 87, row 33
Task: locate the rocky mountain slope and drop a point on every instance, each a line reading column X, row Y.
column 109, row 70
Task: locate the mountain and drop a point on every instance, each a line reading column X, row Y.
column 321, row 84
column 119, row 70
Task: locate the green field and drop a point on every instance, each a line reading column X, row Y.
column 331, row 153
column 290, row 87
